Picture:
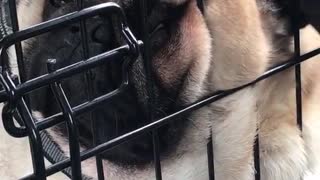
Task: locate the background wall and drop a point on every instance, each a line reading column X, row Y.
column 312, row 9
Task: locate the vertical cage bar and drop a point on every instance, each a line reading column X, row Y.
column 18, row 47
column 72, row 130
column 34, row 141
column 149, row 78
column 68, row 114
column 156, row 154
column 33, row 132
column 90, row 90
column 257, row 158
column 210, row 159
column 83, row 28
column 210, row 151
column 34, row 136
column 297, row 54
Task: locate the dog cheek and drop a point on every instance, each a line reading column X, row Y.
column 185, row 61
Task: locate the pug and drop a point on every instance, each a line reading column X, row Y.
column 193, row 53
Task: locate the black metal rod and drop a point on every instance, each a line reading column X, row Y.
column 36, row 152
column 210, row 155
column 9, row 109
column 58, row 118
column 85, row 107
column 18, row 47
column 66, row 72
column 80, row 109
column 62, row 21
column 35, row 142
column 257, row 158
column 297, row 53
column 90, row 90
column 149, row 83
column 72, row 131
column 70, row 121
column 84, row 33
column 9, row 125
column 154, row 125
column 156, row 154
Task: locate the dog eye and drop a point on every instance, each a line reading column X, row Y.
column 163, row 22
column 158, row 28
column 159, row 36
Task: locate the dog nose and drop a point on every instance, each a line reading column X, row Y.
column 98, row 31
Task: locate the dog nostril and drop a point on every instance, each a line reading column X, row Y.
column 101, row 34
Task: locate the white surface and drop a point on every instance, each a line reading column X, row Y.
column 15, row 158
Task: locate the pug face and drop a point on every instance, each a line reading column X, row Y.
column 179, row 54
column 191, row 55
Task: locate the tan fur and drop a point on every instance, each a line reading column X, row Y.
column 34, row 17
column 239, row 50
column 35, row 10
column 280, row 137
column 236, row 59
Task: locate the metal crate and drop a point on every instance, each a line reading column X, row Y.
column 15, row 89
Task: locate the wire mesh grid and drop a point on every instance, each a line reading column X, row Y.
column 16, row 88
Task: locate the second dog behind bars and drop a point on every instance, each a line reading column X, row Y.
column 192, row 55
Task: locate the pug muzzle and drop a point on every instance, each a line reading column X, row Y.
column 125, row 112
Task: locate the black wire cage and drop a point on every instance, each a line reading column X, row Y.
column 15, row 89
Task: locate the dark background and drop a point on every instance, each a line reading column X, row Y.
column 311, row 9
